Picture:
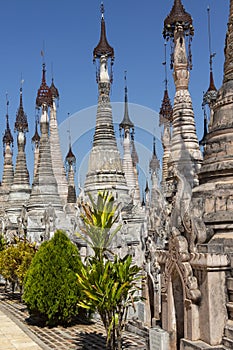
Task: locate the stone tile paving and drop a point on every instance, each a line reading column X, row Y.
column 12, row 337
column 82, row 335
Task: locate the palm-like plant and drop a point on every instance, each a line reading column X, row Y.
column 110, row 287
column 108, row 284
column 98, row 219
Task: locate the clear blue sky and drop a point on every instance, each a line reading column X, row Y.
column 70, row 30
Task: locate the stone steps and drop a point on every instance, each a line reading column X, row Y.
column 137, row 329
column 228, row 343
column 228, row 331
column 200, row 345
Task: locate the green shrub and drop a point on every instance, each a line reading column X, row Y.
column 50, row 288
column 15, row 260
column 2, row 242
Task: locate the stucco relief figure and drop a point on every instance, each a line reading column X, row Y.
column 180, row 51
column 230, row 203
column 182, row 198
column 178, row 259
column 181, row 73
column 155, row 272
column 3, row 223
column 187, row 216
column 149, row 249
column 178, row 246
column 48, row 220
column 104, row 76
column 166, row 136
column 24, row 218
column 45, row 220
column 183, row 96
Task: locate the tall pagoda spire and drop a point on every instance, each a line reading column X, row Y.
column 70, row 166
column 212, row 199
column 185, row 153
column 127, row 129
column 135, row 161
column 210, row 96
column 165, row 119
column 57, row 161
column 103, row 49
column 44, row 193
column 8, row 170
column 36, row 142
column 126, row 122
column 218, row 165
column 20, row 190
column 104, row 169
column 228, row 65
column 154, row 167
column 154, row 162
column 205, row 128
column 21, row 176
column 44, row 94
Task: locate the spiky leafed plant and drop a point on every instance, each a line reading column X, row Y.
column 109, row 287
column 108, row 284
column 98, row 219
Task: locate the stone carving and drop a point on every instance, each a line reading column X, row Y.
column 179, row 258
column 228, row 67
column 4, row 222
column 182, row 198
column 183, row 96
column 229, row 203
column 195, row 229
column 180, row 51
column 22, row 222
column 48, row 220
column 187, row 216
column 104, row 90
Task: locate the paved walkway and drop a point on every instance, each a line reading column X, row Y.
column 17, row 332
column 12, row 337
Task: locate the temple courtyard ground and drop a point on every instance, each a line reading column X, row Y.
column 18, row 332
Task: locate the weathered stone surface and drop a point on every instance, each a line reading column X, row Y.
column 159, row 339
column 198, row 345
column 105, row 169
column 57, row 162
column 45, row 210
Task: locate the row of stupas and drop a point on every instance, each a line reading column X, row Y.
column 181, row 233
column 189, row 284
column 36, row 210
column 25, row 207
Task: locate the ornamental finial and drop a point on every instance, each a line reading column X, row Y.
column 126, row 122
column 179, row 18
column 103, row 48
column 166, row 111
column 103, row 51
column 102, row 10
column 211, row 94
column 44, row 95
column 7, row 137
column 21, row 123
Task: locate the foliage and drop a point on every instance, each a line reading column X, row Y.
column 108, row 284
column 50, row 288
column 15, row 261
column 109, row 287
column 2, row 242
column 99, row 219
